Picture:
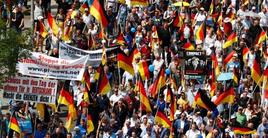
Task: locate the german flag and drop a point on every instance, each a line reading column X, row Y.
column 143, row 70
column 173, row 104
column 43, row 111
column 229, row 57
column 159, row 82
column 67, row 33
column 144, row 3
column 83, row 7
column 14, row 125
column 188, row 46
column 71, row 117
column 220, row 19
column 261, row 37
column 86, row 79
column 174, row 83
column 215, row 65
column 200, row 33
column 103, row 84
column 121, row 39
column 245, row 53
column 256, row 72
column 65, row 97
column 230, row 40
column 103, row 57
column 161, row 118
column 145, row 104
column 265, row 83
column 97, row 11
column 168, row 93
column 203, row 101
column 42, row 30
column 243, row 130
column 211, row 7
column 85, row 95
column 97, row 73
column 213, row 83
column 235, row 77
column 90, row 125
column 226, row 97
column 125, row 61
column 178, row 21
column 52, row 24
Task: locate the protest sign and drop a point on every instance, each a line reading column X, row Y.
column 30, row 89
column 195, row 62
column 95, row 56
column 40, row 65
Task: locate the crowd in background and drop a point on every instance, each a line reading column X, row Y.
column 160, row 41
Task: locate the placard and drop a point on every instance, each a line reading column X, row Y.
column 30, row 89
column 95, row 56
column 195, row 62
column 41, row 65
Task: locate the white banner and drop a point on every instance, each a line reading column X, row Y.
column 69, row 52
column 30, row 89
column 40, row 65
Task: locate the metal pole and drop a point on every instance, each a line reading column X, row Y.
column 32, row 14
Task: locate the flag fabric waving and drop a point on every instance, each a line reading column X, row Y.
column 65, row 97
column 202, row 100
column 143, row 70
column 230, row 40
column 125, row 61
column 261, row 37
column 173, row 104
column 144, row 101
column 97, row 11
column 188, row 46
column 103, row 84
column 161, row 118
column 256, row 72
column 159, row 82
column 90, row 125
column 200, row 33
column 139, row 3
column 265, row 83
column 243, row 130
column 42, row 30
column 52, row 24
column 14, row 125
column 226, row 97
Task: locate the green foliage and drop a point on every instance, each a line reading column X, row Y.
column 12, row 44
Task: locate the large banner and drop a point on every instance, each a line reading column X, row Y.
column 30, row 89
column 195, row 62
column 40, row 65
column 69, row 52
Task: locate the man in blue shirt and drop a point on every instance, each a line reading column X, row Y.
column 262, row 127
column 83, row 127
column 40, row 132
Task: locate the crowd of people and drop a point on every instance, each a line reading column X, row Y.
column 161, row 31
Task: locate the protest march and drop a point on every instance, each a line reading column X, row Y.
column 138, row 69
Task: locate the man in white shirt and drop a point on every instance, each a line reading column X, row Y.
column 263, row 14
column 116, row 96
column 87, row 18
column 126, row 77
column 193, row 132
column 157, row 65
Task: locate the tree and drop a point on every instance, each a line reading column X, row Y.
column 12, row 45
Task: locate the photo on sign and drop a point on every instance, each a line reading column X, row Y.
column 195, row 62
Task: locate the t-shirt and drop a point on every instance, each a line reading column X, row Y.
column 241, row 118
